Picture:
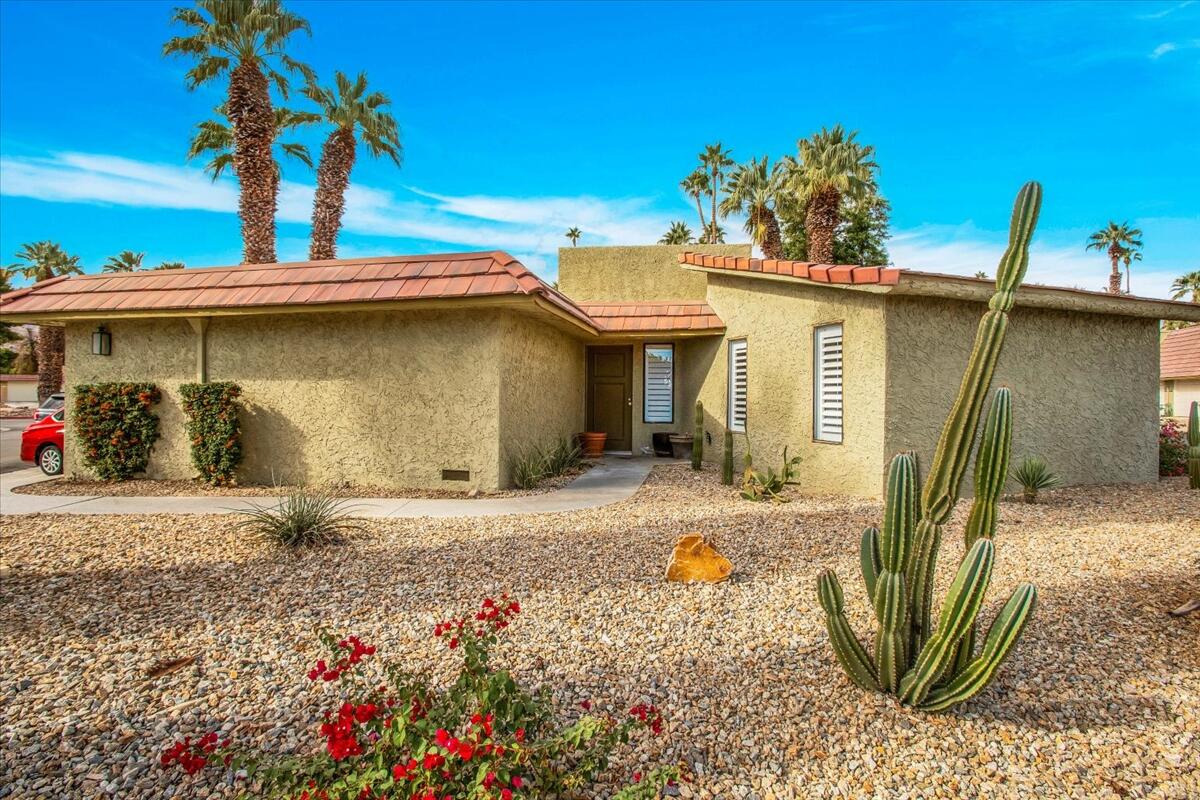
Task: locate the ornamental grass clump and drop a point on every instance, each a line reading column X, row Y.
column 539, row 463
column 301, row 519
column 115, row 428
column 1034, row 474
column 932, row 664
column 391, row 733
column 213, row 429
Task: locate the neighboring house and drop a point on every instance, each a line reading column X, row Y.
column 18, row 389
column 428, row 370
column 1179, row 371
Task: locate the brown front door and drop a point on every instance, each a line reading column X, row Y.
column 610, row 395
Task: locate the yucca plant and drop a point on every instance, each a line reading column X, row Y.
column 1034, row 475
column 300, row 519
column 934, row 666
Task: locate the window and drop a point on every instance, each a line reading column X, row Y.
column 659, row 403
column 827, row 383
column 737, row 386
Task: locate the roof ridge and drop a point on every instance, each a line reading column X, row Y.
column 846, row 274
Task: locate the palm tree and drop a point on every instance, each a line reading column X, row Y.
column 830, row 166
column 1115, row 240
column 1188, row 283
column 171, row 265
column 695, row 186
column 41, row 261
column 755, row 189
column 1129, row 256
column 124, row 261
column 352, row 112
column 214, row 138
column 242, row 39
column 714, row 160
column 678, row 233
column 573, row 234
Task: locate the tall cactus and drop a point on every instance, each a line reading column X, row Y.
column 727, row 459
column 698, row 437
column 1193, row 453
column 926, row 667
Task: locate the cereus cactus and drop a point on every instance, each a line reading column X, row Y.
column 935, row 667
column 698, row 437
column 1193, row 440
column 727, row 459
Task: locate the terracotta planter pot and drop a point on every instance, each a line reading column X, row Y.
column 592, row 444
column 681, row 445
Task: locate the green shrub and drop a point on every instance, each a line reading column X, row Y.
column 115, row 428
column 1172, row 449
column 769, row 485
column 1034, row 475
column 538, row 463
column 300, row 519
column 213, row 428
column 392, row 733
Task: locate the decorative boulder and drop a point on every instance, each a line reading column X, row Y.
column 695, row 559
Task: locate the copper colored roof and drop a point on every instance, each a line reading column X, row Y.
column 308, row 283
column 1179, row 353
column 819, row 273
column 647, row 317
column 7, row 378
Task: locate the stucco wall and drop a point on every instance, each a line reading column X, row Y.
column 777, row 320
column 588, row 274
column 541, row 388
column 366, row 398
column 1085, row 386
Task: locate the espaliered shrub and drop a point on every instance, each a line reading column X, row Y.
column 932, row 664
column 479, row 735
column 213, row 429
column 115, row 427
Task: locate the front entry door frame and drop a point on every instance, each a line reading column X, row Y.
column 610, row 395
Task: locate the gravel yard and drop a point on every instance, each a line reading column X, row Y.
column 1100, row 699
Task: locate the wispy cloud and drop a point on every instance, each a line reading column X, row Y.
column 1171, row 9
column 531, row 228
column 1171, row 47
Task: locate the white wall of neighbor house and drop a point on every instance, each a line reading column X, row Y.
column 1176, row 396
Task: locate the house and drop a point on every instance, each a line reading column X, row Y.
column 438, row 370
column 18, row 389
column 1179, row 371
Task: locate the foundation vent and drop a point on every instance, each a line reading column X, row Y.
column 456, row 474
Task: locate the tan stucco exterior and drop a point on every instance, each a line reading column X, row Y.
column 362, row 398
column 1084, row 385
column 596, row 274
column 776, row 319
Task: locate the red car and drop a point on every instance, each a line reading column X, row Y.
column 42, row 443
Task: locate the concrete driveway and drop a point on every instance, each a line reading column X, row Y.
column 10, row 444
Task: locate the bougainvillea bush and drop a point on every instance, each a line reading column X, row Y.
column 213, row 429
column 115, row 427
column 394, row 735
column 1172, row 449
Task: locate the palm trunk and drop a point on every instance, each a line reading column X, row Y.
column 51, row 354
column 712, row 220
column 253, row 134
column 820, row 223
column 772, row 244
column 1114, row 278
column 333, row 176
column 703, row 224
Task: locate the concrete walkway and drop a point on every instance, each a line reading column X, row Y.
column 613, row 479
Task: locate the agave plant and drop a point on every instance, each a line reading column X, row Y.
column 300, row 519
column 935, row 666
column 1034, row 475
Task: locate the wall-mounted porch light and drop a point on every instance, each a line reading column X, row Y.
column 101, row 342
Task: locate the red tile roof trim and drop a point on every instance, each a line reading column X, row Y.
column 309, row 283
column 678, row 316
column 1179, row 354
column 847, row 274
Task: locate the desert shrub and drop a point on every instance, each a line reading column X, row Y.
column 761, row 486
column 213, row 429
column 536, row 464
column 392, row 733
column 1034, row 475
column 1172, row 448
column 115, row 428
column 300, row 519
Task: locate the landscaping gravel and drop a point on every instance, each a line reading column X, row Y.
column 1100, row 699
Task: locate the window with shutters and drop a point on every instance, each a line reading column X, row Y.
column 659, row 403
column 827, row 383
column 737, row 386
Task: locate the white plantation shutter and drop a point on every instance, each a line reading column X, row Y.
column 660, row 383
column 827, row 383
column 737, row 386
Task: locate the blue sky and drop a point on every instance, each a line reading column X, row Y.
column 519, row 120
